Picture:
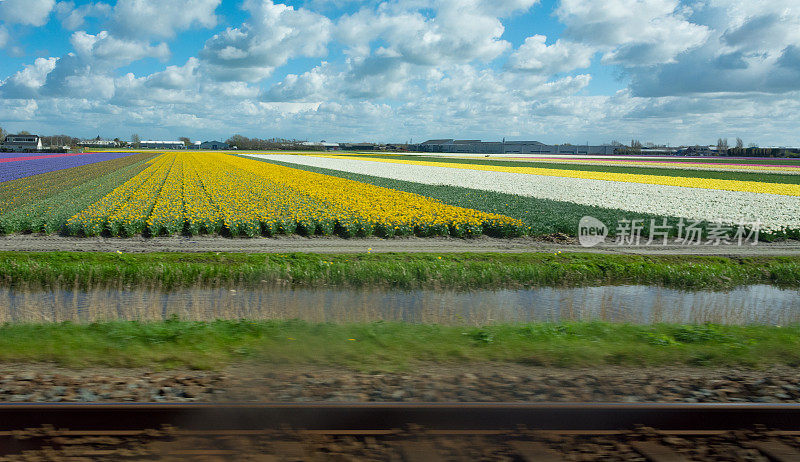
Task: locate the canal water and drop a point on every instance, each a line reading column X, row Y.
column 757, row 304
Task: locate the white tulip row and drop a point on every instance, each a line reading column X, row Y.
column 775, row 212
column 623, row 161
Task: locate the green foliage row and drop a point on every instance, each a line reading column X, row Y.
column 400, row 270
column 393, row 346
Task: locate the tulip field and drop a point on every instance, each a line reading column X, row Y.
column 552, row 196
column 350, row 195
column 215, row 193
column 13, row 166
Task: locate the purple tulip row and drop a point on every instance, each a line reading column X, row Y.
column 25, row 168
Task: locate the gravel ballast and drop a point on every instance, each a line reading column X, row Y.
column 469, row 383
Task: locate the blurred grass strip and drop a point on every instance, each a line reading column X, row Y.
column 396, row 346
column 394, row 270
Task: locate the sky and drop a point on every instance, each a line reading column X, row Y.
column 556, row 71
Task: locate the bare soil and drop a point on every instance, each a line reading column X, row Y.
column 287, row 244
column 752, row 445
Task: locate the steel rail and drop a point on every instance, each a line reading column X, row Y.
column 388, row 417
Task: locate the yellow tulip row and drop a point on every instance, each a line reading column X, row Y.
column 215, row 192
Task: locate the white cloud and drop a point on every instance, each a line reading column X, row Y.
column 73, row 18
column 162, row 18
column 26, row 83
column 228, row 91
column 420, row 68
column 87, row 73
column 176, row 77
column 18, row 110
column 536, row 56
column 106, row 51
column 504, row 8
column 632, row 32
column 274, row 34
column 461, row 31
column 309, row 86
column 750, row 51
column 28, row 12
column 74, row 77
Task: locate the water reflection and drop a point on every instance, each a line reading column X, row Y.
column 759, row 304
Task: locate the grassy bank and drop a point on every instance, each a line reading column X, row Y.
column 391, row 346
column 397, row 270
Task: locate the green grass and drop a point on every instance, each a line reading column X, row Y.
column 543, row 216
column 399, row 270
column 675, row 172
column 395, row 346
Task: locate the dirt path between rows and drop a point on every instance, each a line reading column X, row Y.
column 287, row 244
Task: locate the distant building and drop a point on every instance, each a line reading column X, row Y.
column 508, row 147
column 358, row 146
column 22, row 143
column 698, row 151
column 322, row 144
column 99, row 144
column 434, row 145
column 217, row 145
column 151, row 144
column 659, row 151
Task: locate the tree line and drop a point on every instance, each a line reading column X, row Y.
column 257, row 144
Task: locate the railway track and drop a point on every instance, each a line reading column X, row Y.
column 400, row 431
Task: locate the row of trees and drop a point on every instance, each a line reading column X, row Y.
column 257, row 144
column 60, row 140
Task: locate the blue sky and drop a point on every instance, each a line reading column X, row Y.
column 550, row 70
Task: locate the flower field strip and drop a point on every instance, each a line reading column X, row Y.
column 704, row 183
column 780, row 178
column 657, row 162
column 200, row 212
column 19, row 158
column 264, row 205
column 124, row 211
column 391, row 211
column 26, row 168
column 49, row 214
column 778, row 214
column 21, row 155
column 766, row 161
column 167, row 215
column 542, row 216
column 785, row 169
column 208, row 192
column 22, row 191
